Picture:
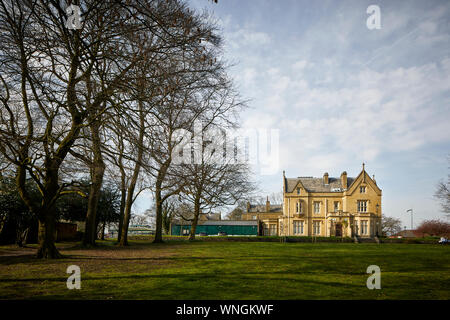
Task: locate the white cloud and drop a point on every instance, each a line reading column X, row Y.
column 302, row 64
column 388, row 111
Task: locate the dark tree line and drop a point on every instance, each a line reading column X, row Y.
column 17, row 222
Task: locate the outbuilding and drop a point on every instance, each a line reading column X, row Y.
column 213, row 228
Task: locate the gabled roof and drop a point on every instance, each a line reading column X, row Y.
column 364, row 177
column 312, row 184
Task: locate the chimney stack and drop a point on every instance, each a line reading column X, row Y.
column 325, row 178
column 267, row 204
column 344, row 179
column 248, row 206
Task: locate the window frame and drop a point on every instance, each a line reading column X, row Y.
column 317, row 203
column 298, row 226
column 364, row 227
column 360, row 206
column 316, row 227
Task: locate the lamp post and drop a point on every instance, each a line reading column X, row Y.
column 411, row 210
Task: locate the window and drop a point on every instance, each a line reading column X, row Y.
column 336, row 206
column 362, row 189
column 298, row 190
column 273, row 229
column 362, row 205
column 316, row 227
column 299, row 207
column 254, row 217
column 364, row 227
column 185, row 232
column 298, row 227
column 316, row 207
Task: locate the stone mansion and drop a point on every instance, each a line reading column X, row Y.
column 326, row 206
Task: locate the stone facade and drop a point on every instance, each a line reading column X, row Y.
column 326, row 206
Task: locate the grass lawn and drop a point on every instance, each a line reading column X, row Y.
column 229, row 270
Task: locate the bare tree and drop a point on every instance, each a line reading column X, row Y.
column 220, row 177
column 42, row 67
column 193, row 90
column 442, row 194
column 390, row 225
column 55, row 84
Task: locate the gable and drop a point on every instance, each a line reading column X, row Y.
column 293, row 184
column 363, row 177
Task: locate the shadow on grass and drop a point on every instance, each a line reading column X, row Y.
column 238, row 277
column 23, row 258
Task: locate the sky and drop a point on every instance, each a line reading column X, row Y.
column 341, row 94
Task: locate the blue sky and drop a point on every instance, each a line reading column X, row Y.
column 342, row 94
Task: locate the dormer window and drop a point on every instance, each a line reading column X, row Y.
column 362, row 189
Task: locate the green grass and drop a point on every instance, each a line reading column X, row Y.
column 229, row 270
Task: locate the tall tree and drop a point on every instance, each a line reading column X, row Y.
column 46, row 70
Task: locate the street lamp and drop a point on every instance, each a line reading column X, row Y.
column 411, row 210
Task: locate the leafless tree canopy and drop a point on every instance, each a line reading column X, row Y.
column 390, row 225
column 442, row 194
column 105, row 100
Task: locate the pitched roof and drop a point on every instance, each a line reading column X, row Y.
column 408, row 234
column 312, row 184
column 262, row 208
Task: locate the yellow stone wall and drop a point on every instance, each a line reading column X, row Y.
column 348, row 210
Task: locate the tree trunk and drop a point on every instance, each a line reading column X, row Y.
column 130, row 192
column 195, row 220
column 47, row 236
column 97, row 173
column 123, row 199
column 129, row 202
column 126, row 219
column 103, row 230
column 158, row 199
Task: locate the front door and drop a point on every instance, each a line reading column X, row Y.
column 338, row 230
